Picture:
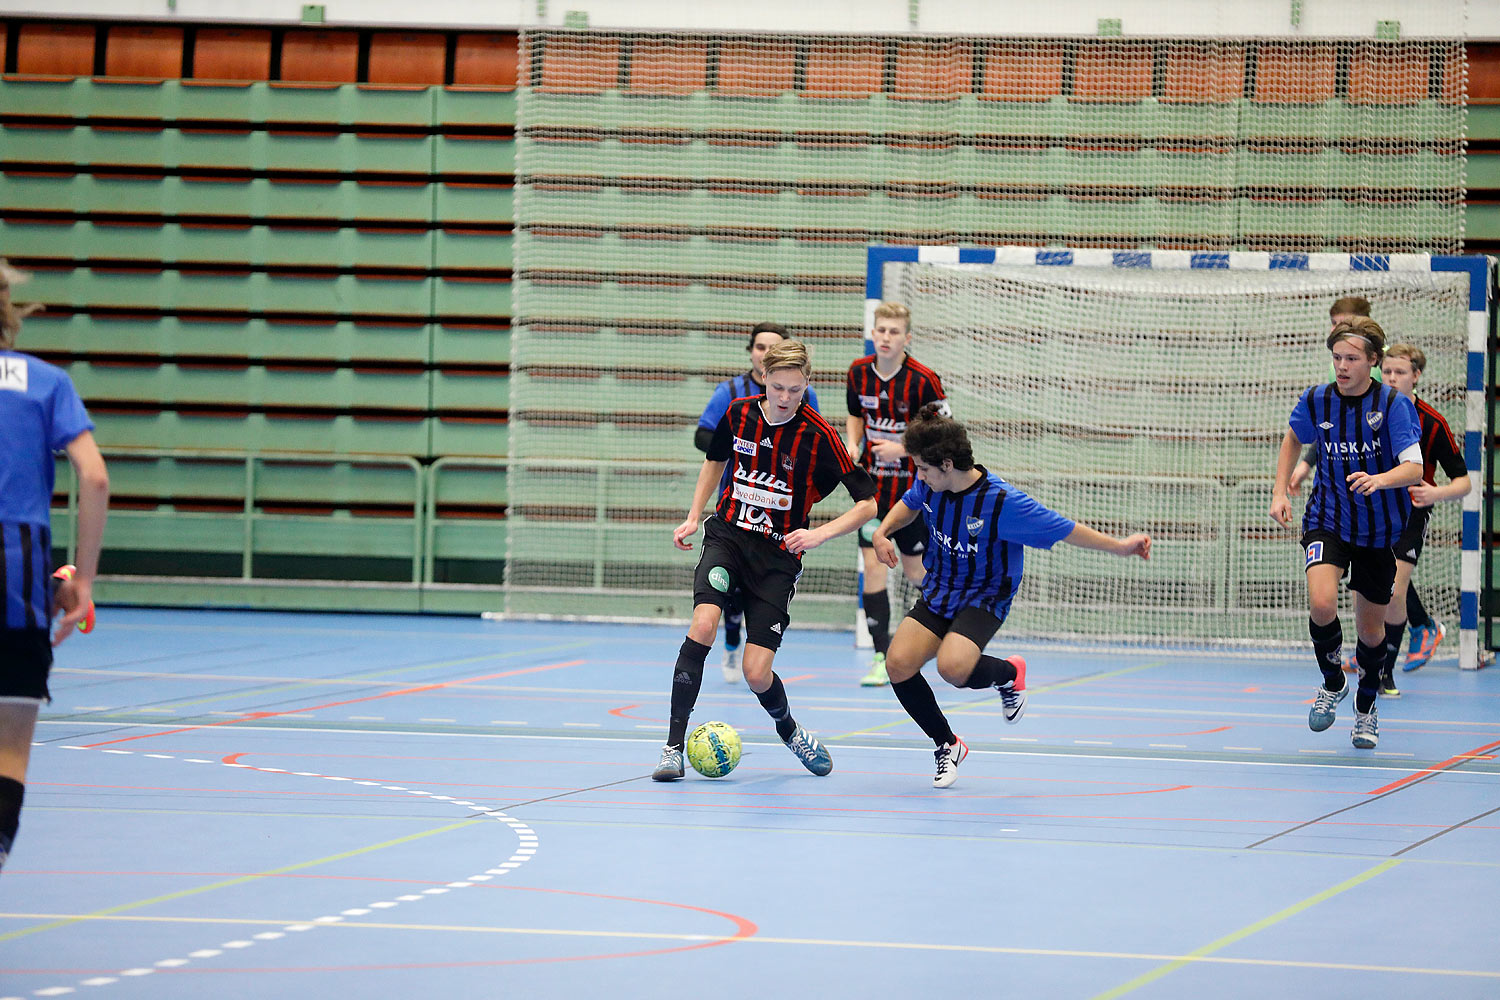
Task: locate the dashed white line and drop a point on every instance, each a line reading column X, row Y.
column 526, row 837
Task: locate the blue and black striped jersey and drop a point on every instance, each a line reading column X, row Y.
column 977, row 542
column 1363, row 433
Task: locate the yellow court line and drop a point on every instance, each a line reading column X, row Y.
column 1044, row 689
column 1179, row 960
column 1244, row 932
column 240, row 880
column 372, row 675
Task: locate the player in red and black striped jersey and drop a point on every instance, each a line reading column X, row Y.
column 1402, row 367
column 786, row 458
column 887, row 389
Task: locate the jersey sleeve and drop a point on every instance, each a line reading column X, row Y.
column 1446, row 454
column 856, row 408
column 812, row 399
column 917, row 495
column 932, row 390
column 717, row 404
column 722, row 446
column 67, row 418
column 1024, row 520
column 1406, row 426
column 859, row 484
column 1301, row 421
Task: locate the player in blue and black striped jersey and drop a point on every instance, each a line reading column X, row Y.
column 1368, row 450
column 751, row 383
column 978, row 529
column 41, row 414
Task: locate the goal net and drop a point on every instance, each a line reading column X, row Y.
column 1150, row 392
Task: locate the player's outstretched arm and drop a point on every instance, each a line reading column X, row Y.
column 1085, row 537
column 898, row 517
column 1286, row 460
column 803, row 539
column 708, row 478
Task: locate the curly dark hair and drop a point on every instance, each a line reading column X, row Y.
column 935, row 438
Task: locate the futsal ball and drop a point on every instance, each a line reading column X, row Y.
column 713, row 749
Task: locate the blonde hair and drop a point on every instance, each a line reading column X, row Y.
column 788, row 354
column 1361, row 328
column 1411, row 352
column 10, row 313
column 894, row 310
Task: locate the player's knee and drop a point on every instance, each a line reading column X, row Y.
column 705, row 624
column 899, row 667
column 954, row 669
column 1323, row 611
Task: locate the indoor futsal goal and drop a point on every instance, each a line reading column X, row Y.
column 1149, row 390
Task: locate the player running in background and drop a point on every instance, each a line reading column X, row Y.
column 1368, row 452
column 1403, row 367
column 785, row 459
column 41, row 414
column 885, row 389
column 978, row 527
column 751, row 383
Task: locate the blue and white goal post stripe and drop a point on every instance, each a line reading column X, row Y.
column 1479, row 269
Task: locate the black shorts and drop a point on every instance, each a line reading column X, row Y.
column 910, row 540
column 974, row 623
column 25, row 662
column 1371, row 571
column 1408, row 547
column 763, row 572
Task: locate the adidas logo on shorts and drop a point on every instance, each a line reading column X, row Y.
column 776, row 628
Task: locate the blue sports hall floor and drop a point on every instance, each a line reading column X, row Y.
column 242, row 804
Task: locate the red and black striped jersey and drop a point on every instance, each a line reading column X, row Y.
column 1438, row 445
column 886, row 404
column 778, row 471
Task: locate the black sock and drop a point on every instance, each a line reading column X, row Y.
column 687, row 678
column 878, row 619
column 1328, row 647
column 1370, row 659
column 11, row 794
column 991, row 671
column 1416, row 612
column 915, row 695
column 773, row 700
column 1393, row 634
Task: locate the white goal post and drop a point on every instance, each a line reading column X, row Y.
column 1149, row 390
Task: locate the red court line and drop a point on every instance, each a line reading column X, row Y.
column 1434, row 769
column 258, row 716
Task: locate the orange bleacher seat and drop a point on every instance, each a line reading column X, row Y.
column 668, row 66
column 232, row 54
column 1203, row 72
column 320, row 56
column 1022, row 71
column 485, row 60
column 4, row 43
column 55, row 50
column 573, row 66
column 416, row 58
column 847, row 69
column 144, row 53
column 933, row 69
column 1112, row 72
column 756, row 68
column 1296, row 72
column 1388, row 73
